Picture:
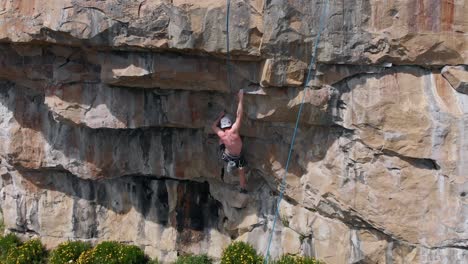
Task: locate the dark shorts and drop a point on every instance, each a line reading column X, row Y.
column 239, row 160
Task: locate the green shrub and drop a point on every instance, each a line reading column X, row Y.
column 2, row 224
column 132, row 255
column 153, row 261
column 111, row 252
column 194, row 259
column 288, row 259
column 31, row 252
column 240, row 253
column 68, row 252
column 86, row 257
column 7, row 243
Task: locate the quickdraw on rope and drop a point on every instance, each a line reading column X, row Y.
column 283, row 181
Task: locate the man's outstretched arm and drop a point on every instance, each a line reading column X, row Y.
column 215, row 127
column 240, row 111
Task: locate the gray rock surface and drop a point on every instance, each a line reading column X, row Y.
column 106, row 107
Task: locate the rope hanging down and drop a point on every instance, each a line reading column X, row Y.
column 228, row 54
column 283, row 181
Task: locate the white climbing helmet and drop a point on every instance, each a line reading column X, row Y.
column 226, row 122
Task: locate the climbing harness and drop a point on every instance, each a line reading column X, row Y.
column 283, row 181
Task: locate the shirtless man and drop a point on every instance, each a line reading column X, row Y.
column 228, row 134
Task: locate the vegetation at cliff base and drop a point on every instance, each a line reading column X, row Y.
column 240, row 253
column 30, row 252
column 13, row 251
column 68, row 252
column 111, row 252
column 7, row 243
column 289, row 259
column 194, row 259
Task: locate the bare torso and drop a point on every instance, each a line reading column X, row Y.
column 232, row 141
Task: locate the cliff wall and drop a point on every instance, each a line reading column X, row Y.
column 106, row 107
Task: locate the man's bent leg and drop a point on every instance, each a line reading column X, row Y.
column 243, row 181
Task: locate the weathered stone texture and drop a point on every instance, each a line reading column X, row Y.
column 426, row 31
column 457, row 77
column 106, row 108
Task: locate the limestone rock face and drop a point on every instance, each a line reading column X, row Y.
column 106, row 109
column 457, row 77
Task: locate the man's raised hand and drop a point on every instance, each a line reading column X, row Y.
column 241, row 94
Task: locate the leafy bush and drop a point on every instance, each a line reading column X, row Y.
column 153, row 261
column 240, row 253
column 68, row 252
column 31, row 252
column 132, row 254
column 2, row 224
column 194, row 259
column 86, row 257
column 288, row 259
column 111, row 252
column 7, row 243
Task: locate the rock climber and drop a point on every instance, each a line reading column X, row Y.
column 231, row 142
